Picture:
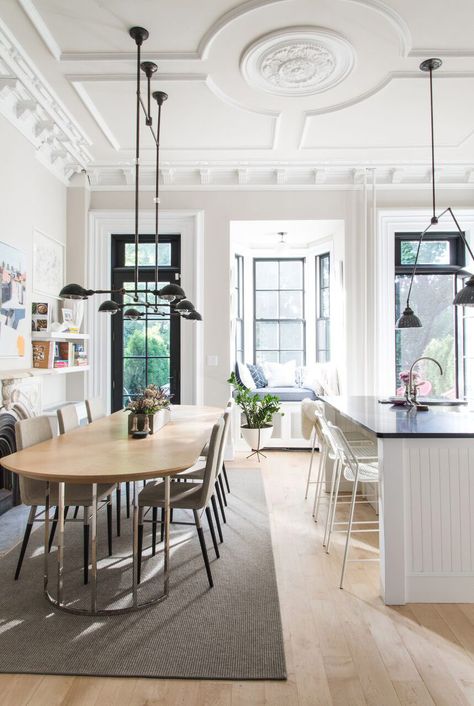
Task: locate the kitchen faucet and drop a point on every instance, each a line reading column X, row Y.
column 412, row 391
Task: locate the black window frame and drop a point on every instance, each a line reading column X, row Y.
column 324, row 320
column 278, row 320
column 455, row 269
column 239, row 309
column 121, row 273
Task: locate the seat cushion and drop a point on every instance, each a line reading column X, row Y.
column 76, row 494
column 184, row 495
column 286, row 394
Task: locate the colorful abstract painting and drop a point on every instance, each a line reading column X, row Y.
column 13, row 323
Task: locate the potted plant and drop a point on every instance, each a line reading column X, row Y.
column 258, row 412
column 149, row 411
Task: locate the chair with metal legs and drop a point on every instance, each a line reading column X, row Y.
column 223, row 469
column 29, row 432
column 354, row 470
column 186, row 496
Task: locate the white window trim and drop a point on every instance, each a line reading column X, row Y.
column 102, row 224
column 392, row 221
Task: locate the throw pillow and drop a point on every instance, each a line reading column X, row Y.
column 280, row 374
column 313, row 379
column 256, row 371
column 245, row 376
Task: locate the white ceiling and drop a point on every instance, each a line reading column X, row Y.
column 263, row 235
column 216, row 118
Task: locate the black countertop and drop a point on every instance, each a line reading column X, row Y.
column 389, row 421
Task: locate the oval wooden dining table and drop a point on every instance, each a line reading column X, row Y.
column 103, row 452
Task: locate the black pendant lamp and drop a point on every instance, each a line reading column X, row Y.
column 171, row 294
column 109, row 307
column 465, row 297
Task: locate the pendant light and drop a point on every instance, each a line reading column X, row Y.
column 465, row 297
column 171, row 294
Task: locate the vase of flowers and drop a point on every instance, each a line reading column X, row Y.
column 149, row 411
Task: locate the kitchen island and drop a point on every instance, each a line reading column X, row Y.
column 426, row 506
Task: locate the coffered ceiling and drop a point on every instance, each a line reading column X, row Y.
column 268, row 92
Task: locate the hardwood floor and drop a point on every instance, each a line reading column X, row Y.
column 343, row 648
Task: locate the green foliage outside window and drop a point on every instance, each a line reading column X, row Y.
column 135, row 378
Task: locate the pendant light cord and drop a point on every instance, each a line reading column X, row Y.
column 157, row 200
column 433, row 186
column 137, row 169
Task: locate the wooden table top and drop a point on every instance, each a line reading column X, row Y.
column 103, row 452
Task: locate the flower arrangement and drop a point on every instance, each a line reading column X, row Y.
column 150, row 401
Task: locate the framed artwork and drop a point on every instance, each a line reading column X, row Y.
column 48, row 265
column 13, row 321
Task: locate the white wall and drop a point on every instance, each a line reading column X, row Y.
column 358, row 261
column 30, row 197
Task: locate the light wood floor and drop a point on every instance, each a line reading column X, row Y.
column 343, row 648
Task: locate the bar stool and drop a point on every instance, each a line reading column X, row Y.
column 355, row 470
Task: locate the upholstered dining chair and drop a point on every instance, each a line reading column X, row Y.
column 187, row 496
column 221, row 471
column 68, row 420
column 95, row 410
column 197, row 474
column 29, row 432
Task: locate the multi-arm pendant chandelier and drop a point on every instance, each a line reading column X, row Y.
column 171, row 295
column 465, row 297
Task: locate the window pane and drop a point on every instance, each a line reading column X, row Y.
column 158, row 371
column 432, row 252
column 134, row 377
column 291, row 335
column 431, row 299
column 146, row 254
column 291, row 274
column 286, row 356
column 266, row 335
column 266, row 305
column 322, row 334
column 267, row 357
column 238, row 335
column 133, row 338
column 291, row 305
column 324, row 270
column 266, row 274
column 159, row 338
column 324, row 303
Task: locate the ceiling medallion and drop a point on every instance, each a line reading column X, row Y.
column 297, row 61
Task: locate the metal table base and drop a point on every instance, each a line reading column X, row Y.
column 58, row 601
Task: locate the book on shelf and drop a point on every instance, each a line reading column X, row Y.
column 43, row 354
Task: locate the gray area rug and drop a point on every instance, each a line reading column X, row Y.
column 232, row 631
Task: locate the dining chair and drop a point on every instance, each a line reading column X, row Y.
column 68, row 420
column 354, row 470
column 95, row 410
column 186, row 496
column 29, row 432
column 221, row 470
column 197, row 474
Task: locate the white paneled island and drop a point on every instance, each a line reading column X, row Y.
column 426, row 464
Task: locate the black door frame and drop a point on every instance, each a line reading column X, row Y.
column 121, row 274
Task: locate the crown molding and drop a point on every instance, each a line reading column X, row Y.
column 29, row 103
column 279, row 176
